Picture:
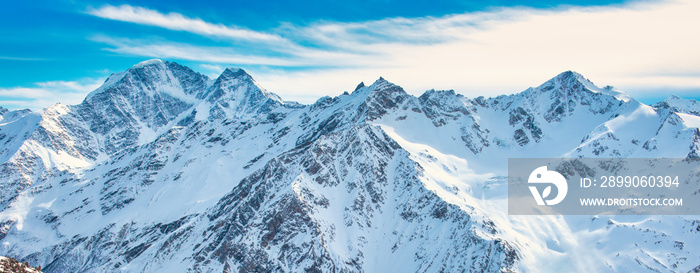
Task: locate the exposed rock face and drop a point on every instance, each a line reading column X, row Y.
column 10, row 265
column 162, row 169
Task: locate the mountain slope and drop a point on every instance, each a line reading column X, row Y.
column 163, row 169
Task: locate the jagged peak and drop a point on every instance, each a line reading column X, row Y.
column 234, row 76
column 678, row 104
column 116, row 77
column 675, row 98
column 234, row 73
column 379, row 85
column 235, row 92
column 152, row 71
column 672, row 101
column 7, row 115
column 159, row 64
column 381, row 96
column 381, row 80
column 569, row 74
column 571, row 80
column 433, row 92
column 382, row 84
column 361, row 85
column 568, row 79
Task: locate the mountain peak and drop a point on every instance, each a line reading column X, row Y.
column 233, row 76
column 382, row 96
column 569, row 74
column 382, row 84
column 571, row 81
column 673, row 98
column 150, row 62
column 142, row 99
column 380, row 80
column 235, row 93
column 362, row 84
column 154, row 75
column 570, row 78
column 680, row 105
column 144, row 177
column 234, row 73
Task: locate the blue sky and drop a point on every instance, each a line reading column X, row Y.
column 53, row 51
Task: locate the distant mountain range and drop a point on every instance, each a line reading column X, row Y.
column 162, row 169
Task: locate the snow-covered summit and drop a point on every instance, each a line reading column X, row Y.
column 235, row 73
column 680, row 105
column 235, row 94
column 148, row 63
column 574, row 82
column 378, row 85
column 8, row 116
column 154, row 77
column 569, row 79
column 164, row 169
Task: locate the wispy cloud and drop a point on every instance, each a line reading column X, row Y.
column 212, row 70
column 12, row 58
column 176, row 21
column 484, row 53
column 185, row 51
column 299, row 57
column 44, row 94
column 401, row 31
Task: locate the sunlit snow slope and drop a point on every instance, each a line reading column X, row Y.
column 163, row 169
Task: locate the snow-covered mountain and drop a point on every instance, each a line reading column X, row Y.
column 163, row 169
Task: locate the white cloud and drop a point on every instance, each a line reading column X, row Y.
column 212, row 70
column 631, row 46
column 637, row 47
column 45, row 94
column 176, row 21
column 12, row 58
column 221, row 55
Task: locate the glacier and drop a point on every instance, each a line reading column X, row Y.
column 164, row 169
